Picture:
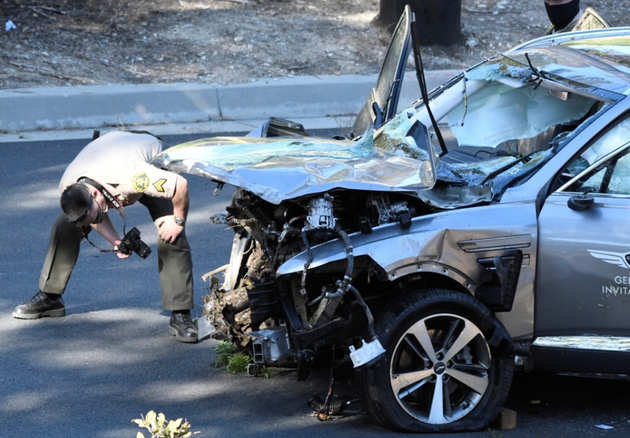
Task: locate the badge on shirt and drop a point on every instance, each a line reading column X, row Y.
column 140, row 182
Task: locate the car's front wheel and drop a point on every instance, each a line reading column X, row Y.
column 448, row 366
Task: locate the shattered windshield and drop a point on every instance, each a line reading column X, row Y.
column 501, row 122
column 499, row 113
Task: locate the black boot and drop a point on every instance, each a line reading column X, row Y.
column 182, row 327
column 39, row 306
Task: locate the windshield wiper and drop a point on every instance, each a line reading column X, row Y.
column 538, row 75
column 523, row 159
column 423, row 85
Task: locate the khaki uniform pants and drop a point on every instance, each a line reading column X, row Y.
column 174, row 260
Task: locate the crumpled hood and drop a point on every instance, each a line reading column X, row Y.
column 278, row 168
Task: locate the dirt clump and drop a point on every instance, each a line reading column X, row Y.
column 85, row 42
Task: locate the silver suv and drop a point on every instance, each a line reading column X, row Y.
column 482, row 229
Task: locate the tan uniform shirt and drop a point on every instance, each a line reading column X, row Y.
column 120, row 161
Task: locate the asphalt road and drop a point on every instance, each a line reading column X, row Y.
column 111, row 359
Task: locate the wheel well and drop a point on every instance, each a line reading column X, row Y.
column 378, row 295
column 430, row 281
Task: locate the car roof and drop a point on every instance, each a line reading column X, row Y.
column 595, row 58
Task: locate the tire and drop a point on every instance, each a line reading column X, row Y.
column 423, row 383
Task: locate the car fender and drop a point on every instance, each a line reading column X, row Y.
column 447, row 243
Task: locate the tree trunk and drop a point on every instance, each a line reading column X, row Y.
column 437, row 21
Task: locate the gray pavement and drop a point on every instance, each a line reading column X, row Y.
column 51, row 113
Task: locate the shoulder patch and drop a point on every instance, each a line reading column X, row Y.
column 159, row 185
column 140, row 182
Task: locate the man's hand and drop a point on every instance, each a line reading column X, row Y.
column 168, row 230
column 118, row 253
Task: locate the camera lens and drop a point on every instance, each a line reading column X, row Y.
column 143, row 250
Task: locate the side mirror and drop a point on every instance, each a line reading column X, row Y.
column 580, row 202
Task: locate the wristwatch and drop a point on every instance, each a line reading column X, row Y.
column 179, row 221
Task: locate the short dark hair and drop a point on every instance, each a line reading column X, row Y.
column 75, row 200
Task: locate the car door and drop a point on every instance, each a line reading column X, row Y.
column 583, row 266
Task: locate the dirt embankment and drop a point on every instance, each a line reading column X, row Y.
column 75, row 42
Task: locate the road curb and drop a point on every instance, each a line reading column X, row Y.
column 100, row 106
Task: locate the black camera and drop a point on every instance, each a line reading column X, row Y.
column 131, row 242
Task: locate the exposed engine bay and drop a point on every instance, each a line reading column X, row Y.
column 325, row 300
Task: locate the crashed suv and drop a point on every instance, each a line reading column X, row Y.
column 481, row 230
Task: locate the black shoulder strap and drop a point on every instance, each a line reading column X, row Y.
column 111, row 199
column 166, row 145
column 136, row 131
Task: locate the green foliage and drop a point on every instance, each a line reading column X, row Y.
column 238, row 363
column 230, row 358
column 156, row 424
column 224, row 350
column 264, row 372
